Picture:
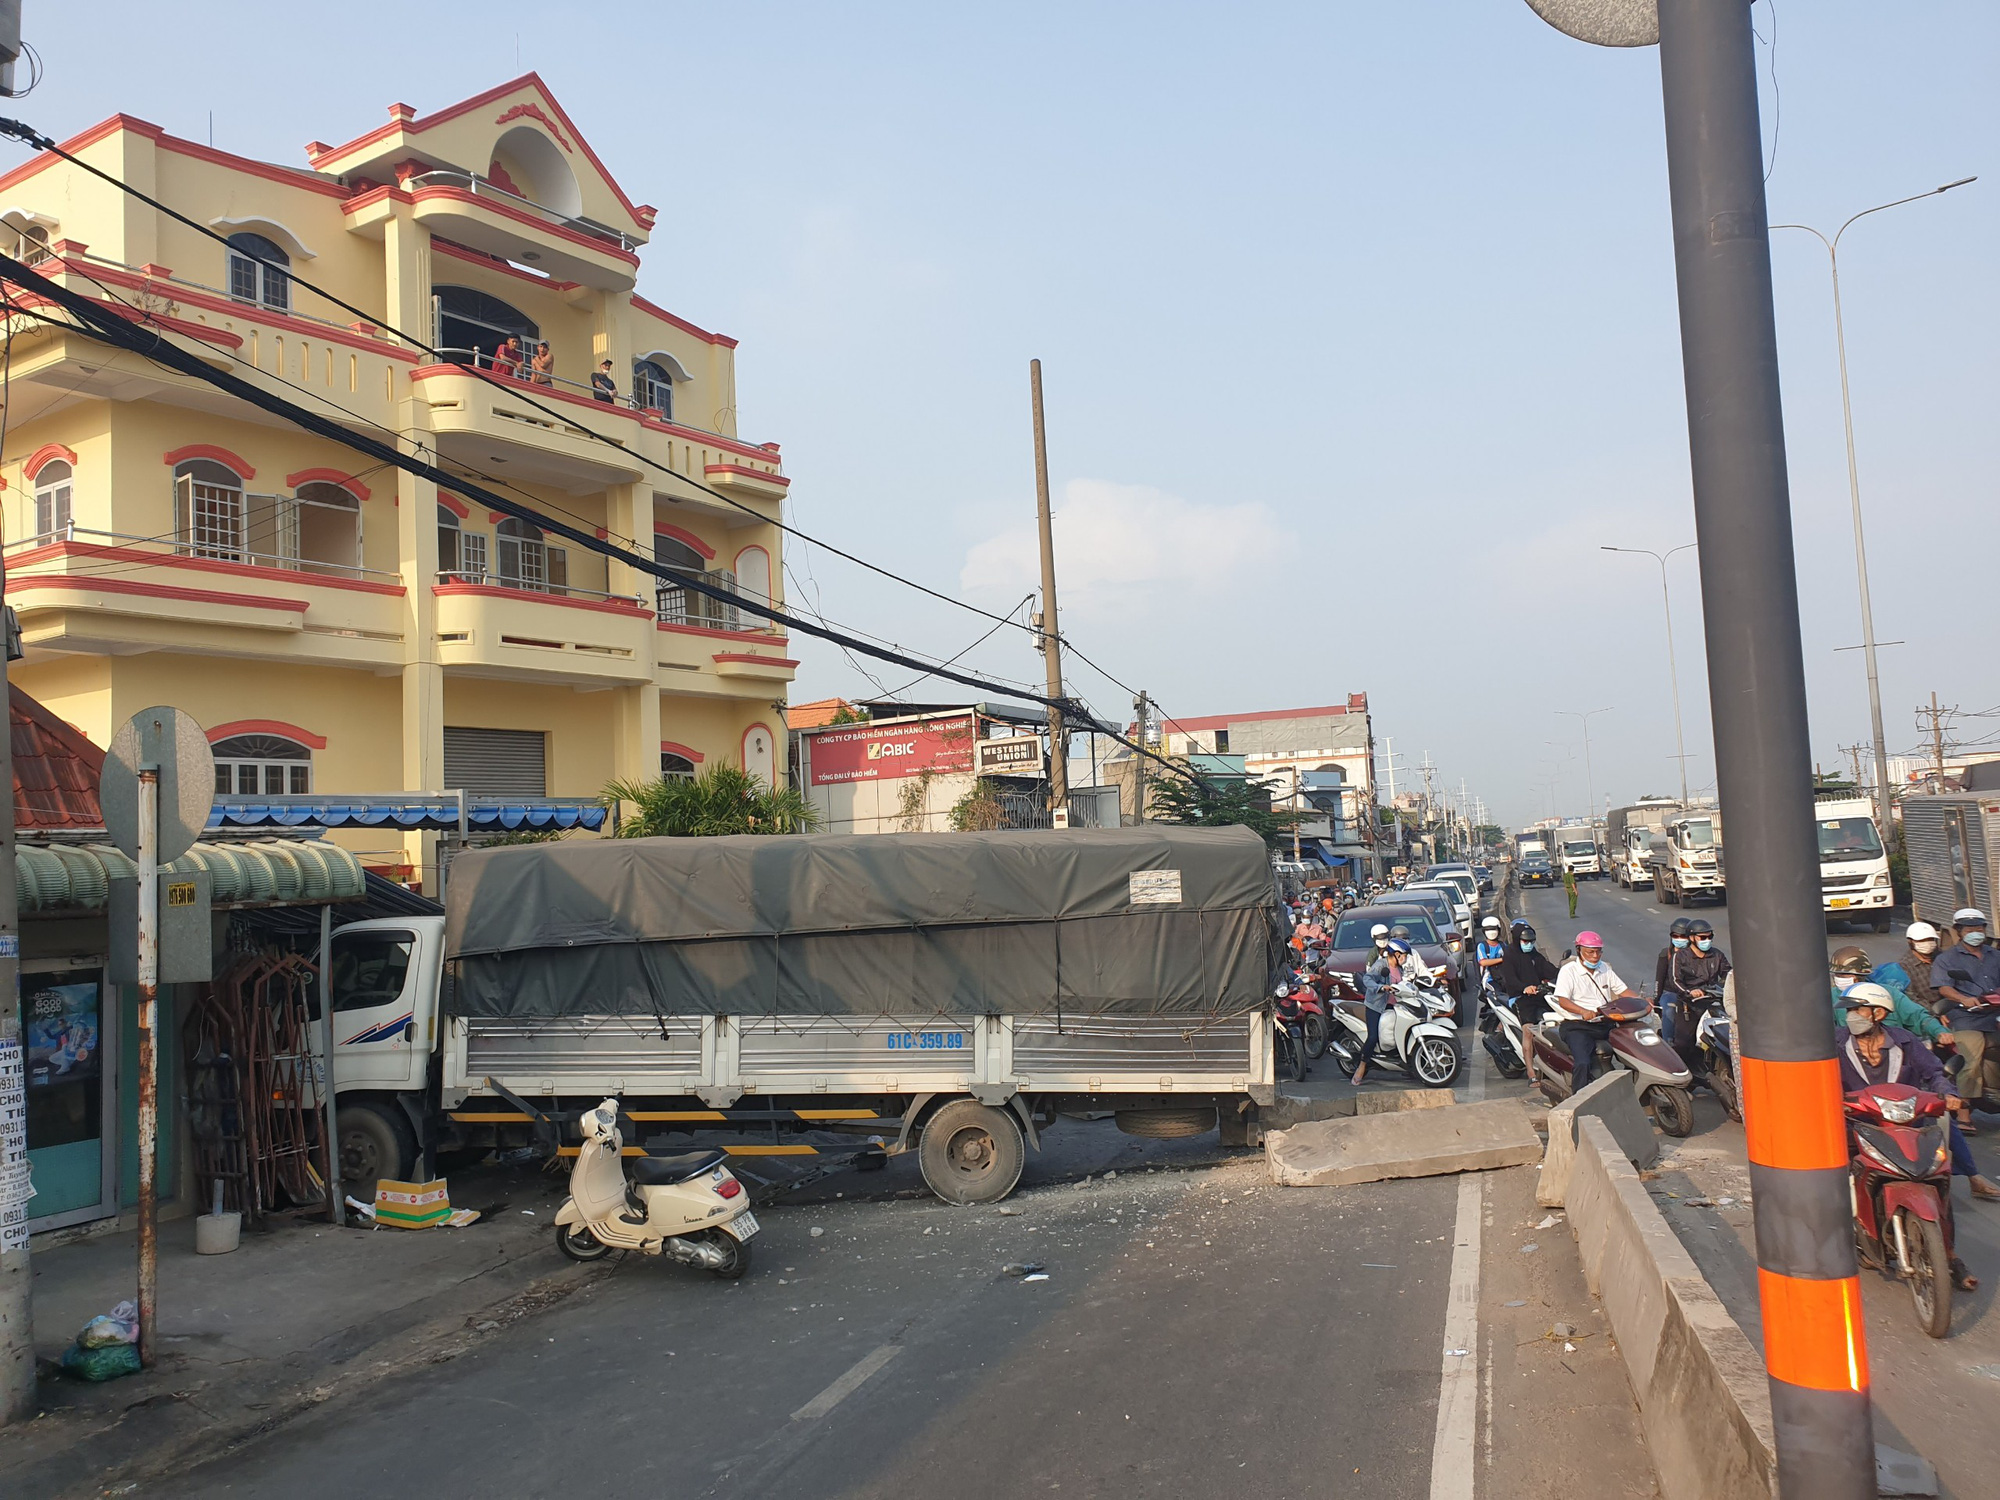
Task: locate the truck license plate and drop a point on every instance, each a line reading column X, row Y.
column 743, row 1225
column 1840, row 901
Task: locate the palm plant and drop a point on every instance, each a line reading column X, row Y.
column 722, row 799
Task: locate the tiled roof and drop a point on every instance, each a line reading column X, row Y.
column 813, row 715
column 55, row 770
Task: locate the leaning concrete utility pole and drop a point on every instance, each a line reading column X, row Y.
column 1051, row 636
column 17, row 1322
column 1143, row 707
column 1815, row 1344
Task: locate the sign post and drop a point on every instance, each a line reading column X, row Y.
column 156, row 789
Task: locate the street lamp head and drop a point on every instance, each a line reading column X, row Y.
column 1962, row 182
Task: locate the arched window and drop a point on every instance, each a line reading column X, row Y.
column 209, row 513
column 52, row 495
column 653, row 387
column 256, row 271
column 472, row 324
column 685, row 606
column 328, row 526
column 461, row 553
column 261, row 765
column 672, row 765
column 524, row 561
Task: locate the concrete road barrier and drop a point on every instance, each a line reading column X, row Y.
column 1612, row 1098
column 1296, row 1109
column 1703, row 1401
column 1408, row 1143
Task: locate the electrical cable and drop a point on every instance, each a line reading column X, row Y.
column 32, row 137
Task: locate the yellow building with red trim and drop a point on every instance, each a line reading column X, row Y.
column 345, row 627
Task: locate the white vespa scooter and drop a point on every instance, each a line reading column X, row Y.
column 688, row 1206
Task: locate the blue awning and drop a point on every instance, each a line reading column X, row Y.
column 482, row 814
column 1327, row 855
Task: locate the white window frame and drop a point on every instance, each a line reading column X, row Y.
column 53, row 497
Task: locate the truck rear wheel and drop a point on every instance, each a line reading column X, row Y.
column 971, row 1153
column 374, row 1143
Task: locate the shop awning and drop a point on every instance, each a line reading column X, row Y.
column 441, row 813
column 73, row 879
column 1326, row 854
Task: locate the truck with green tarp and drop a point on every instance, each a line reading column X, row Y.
column 949, row 994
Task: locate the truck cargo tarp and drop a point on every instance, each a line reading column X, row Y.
column 1150, row 920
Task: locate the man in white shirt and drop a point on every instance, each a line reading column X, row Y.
column 1585, row 988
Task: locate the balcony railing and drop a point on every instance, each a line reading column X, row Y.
column 684, row 606
column 484, row 360
column 479, row 187
column 212, row 545
column 523, row 585
column 251, row 306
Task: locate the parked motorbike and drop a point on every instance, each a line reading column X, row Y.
column 1313, row 990
column 1417, row 1033
column 686, row 1205
column 1714, row 1059
column 1288, row 1034
column 1635, row 1043
column 1901, row 1188
column 1500, row 1033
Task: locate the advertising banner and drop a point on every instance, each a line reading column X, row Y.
column 886, row 752
column 1016, row 755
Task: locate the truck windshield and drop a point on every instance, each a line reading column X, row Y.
column 1698, row 833
column 1579, row 848
column 1848, row 838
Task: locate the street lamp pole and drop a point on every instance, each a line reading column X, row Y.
column 1673, row 671
column 1589, row 775
column 1832, row 245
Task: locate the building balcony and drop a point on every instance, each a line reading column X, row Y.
column 108, row 594
column 481, row 421
column 466, row 208
column 705, row 650
column 487, row 628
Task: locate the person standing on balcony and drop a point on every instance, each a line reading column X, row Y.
column 508, row 358
column 543, row 367
column 602, row 386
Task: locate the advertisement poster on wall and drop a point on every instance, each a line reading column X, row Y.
column 886, row 752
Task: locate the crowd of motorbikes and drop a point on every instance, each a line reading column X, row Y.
column 1898, row 1135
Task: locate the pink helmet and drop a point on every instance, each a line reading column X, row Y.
column 1589, row 940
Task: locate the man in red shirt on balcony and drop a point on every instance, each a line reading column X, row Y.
column 508, row 358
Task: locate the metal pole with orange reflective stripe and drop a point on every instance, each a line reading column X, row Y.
column 1815, row 1349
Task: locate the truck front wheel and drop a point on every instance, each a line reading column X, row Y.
column 971, row 1153
column 374, row 1144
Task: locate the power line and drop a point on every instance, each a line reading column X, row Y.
column 32, row 137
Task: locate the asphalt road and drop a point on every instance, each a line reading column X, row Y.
column 1932, row 1396
column 1198, row 1332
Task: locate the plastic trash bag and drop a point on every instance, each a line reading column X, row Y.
column 106, row 1362
column 119, row 1326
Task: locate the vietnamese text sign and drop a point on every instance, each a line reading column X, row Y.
column 885, row 752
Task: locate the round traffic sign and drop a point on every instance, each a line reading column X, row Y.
column 173, row 741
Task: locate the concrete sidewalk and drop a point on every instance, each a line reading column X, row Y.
column 299, row 1312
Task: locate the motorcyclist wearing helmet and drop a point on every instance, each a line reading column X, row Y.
column 1852, row 967
column 1526, row 975
column 1677, row 942
column 1492, row 952
column 1967, row 978
column 1912, row 972
column 1394, row 960
column 1585, row 988
column 1874, row 1051
column 1695, row 975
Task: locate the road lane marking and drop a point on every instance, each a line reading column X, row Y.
column 1458, row 1387
column 847, row 1385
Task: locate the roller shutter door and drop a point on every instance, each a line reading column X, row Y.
column 496, row 762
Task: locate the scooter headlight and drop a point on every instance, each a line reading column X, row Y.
column 1897, row 1111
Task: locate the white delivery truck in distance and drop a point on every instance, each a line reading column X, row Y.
column 1629, row 834
column 1576, row 848
column 1687, row 859
column 1853, row 866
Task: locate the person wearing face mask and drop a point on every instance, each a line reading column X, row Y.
column 1912, row 972
column 1695, row 976
column 1851, row 967
column 1967, row 978
column 1526, row 975
column 1663, row 979
column 1492, row 952
column 1585, row 988
column 1873, row 1051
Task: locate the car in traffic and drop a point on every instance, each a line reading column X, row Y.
column 1535, row 869
column 1467, row 884
column 1484, row 875
column 1352, row 948
column 1459, row 907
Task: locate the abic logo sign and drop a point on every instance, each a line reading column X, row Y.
column 886, row 752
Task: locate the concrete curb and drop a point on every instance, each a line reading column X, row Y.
column 1703, row 1401
column 1296, row 1109
column 1612, row 1098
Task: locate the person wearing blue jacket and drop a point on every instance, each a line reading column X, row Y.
column 1851, row 967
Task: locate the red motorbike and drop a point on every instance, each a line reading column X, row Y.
column 1312, row 988
column 1901, row 1186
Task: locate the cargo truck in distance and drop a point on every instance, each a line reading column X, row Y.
column 1629, row 835
column 1853, row 865
column 1576, row 847
column 950, row 995
column 1687, row 860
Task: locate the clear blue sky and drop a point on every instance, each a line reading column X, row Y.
column 1358, row 325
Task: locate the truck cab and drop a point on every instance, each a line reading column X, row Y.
column 1579, row 853
column 1853, row 865
column 387, row 974
column 1687, row 861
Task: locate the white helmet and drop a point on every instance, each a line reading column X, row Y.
column 1379, row 930
column 1968, row 916
column 1491, row 924
column 1919, row 932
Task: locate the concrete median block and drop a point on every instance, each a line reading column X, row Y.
column 1614, row 1099
column 1297, row 1109
column 1415, row 1142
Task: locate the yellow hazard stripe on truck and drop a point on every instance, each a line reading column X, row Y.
column 732, row 1150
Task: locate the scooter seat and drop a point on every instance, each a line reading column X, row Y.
column 659, row 1171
